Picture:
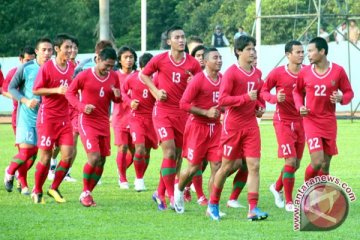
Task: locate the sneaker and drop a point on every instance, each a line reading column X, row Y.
column 256, row 214
column 123, row 185
column 187, row 194
column 179, row 201
column 234, row 204
column 161, row 204
column 221, row 214
column 38, row 198
column 202, row 201
column 51, row 174
column 192, row 187
column 86, row 199
column 279, row 200
column 8, row 181
column 213, row 211
column 172, row 203
column 289, row 207
column 139, row 185
column 55, row 193
column 99, row 182
column 18, row 186
column 25, row 191
column 68, row 178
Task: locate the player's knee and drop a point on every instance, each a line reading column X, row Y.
column 140, row 150
column 253, row 166
column 123, row 148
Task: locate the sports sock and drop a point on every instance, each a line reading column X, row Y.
column 139, row 165
column 198, row 182
column 147, row 160
column 253, row 200
column 40, row 176
column 121, row 164
column 320, row 173
column 96, row 175
column 60, row 172
column 168, row 173
column 129, row 159
column 215, row 195
column 20, row 158
column 161, row 188
column 310, row 172
column 239, row 182
column 279, row 183
column 288, row 180
column 87, row 176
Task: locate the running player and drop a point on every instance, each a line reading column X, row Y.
column 240, row 138
column 203, row 128
column 99, row 86
column 174, row 69
column 120, row 118
column 316, row 94
column 287, row 122
column 53, row 123
column 20, row 89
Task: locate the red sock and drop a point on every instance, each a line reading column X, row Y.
column 147, row 160
column 176, row 180
column 289, row 180
column 20, row 158
column 129, row 159
column 98, row 171
column 239, row 182
column 310, row 172
column 279, row 183
column 121, row 164
column 139, row 165
column 40, row 176
column 87, row 176
column 22, row 177
column 168, row 173
column 215, row 195
column 320, row 173
column 161, row 188
column 253, row 198
column 198, row 182
column 60, row 172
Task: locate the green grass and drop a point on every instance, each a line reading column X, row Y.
column 122, row 214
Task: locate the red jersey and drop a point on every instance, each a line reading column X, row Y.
column 96, row 91
column 121, row 111
column 201, row 92
column 6, row 84
column 140, row 91
column 282, row 79
column 172, row 77
column 54, row 107
column 316, row 89
column 1, row 78
column 240, row 110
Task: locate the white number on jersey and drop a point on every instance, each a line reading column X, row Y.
column 102, row 93
column 176, row 77
column 227, row 150
column 190, row 154
column 162, row 132
column 216, row 97
column 320, row 90
column 314, row 143
column 133, row 135
column 64, row 83
column 88, row 144
column 286, row 149
column 251, row 86
column 29, row 136
column 145, row 93
column 45, row 141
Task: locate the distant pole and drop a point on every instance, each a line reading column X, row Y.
column 258, row 28
column 104, row 19
column 319, row 18
column 143, row 25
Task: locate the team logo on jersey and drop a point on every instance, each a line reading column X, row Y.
column 333, row 82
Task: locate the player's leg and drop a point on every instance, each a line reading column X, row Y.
column 139, row 165
column 89, row 178
column 53, row 163
column 239, row 183
column 42, row 169
column 68, row 176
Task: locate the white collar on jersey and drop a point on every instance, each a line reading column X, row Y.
column 177, row 64
column 122, row 72
column 97, row 77
column 245, row 72
column 217, row 83
column 324, row 75
column 57, row 68
column 290, row 73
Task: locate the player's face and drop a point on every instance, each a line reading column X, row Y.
column 193, row 45
column 44, row 52
column 296, row 56
column 214, row 61
column 177, row 40
column 127, row 60
column 254, row 63
column 248, row 53
column 74, row 51
column 64, row 51
column 199, row 56
column 27, row 57
column 105, row 66
column 314, row 54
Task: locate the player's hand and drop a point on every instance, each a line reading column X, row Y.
column 134, row 104
column 253, row 95
column 89, row 108
column 190, row 76
column 280, row 95
column 335, row 97
column 116, row 92
column 161, row 95
column 62, row 90
column 259, row 112
column 32, row 103
column 304, row 111
column 213, row 112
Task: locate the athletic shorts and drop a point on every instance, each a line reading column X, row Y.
column 75, row 124
column 50, row 134
column 142, row 131
column 201, row 141
column 316, row 143
column 236, row 144
column 94, row 142
column 170, row 128
column 291, row 138
column 26, row 135
column 122, row 136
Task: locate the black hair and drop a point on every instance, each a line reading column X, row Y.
column 42, row 40
column 242, row 42
column 27, row 50
column 75, row 40
column 144, row 59
column 196, row 39
column 124, row 49
column 197, row 48
column 320, row 43
column 107, row 53
column 209, row 50
column 172, row 29
column 289, row 45
column 61, row 38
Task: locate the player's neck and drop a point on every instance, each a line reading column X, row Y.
column 126, row 70
column 61, row 63
column 294, row 68
column 322, row 66
column 212, row 74
column 39, row 61
column 245, row 65
column 177, row 56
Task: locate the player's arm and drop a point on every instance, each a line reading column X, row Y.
column 145, row 75
column 260, row 103
column 1, row 81
column 40, row 87
column 345, row 88
column 6, row 84
column 269, row 84
column 133, row 103
column 116, row 96
column 299, row 95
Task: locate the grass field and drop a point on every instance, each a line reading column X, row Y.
column 126, row 214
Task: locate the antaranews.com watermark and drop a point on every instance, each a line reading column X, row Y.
column 322, row 204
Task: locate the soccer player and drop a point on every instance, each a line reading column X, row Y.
column 203, row 128
column 316, row 94
column 20, row 89
column 120, row 117
column 99, row 86
column 240, row 137
column 53, row 122
column 287, row 122
column 198, row 54
column 192, row 42
column 74, row 51
column 141, row 103
column 174, row 69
